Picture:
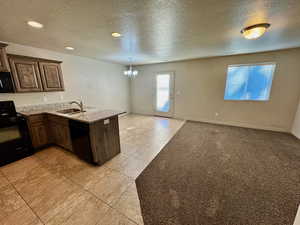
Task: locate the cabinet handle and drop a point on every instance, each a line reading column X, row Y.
column 1, row 84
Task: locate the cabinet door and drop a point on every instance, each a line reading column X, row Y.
column 59, row 129
column 63, row 137
column 51, row 76
column 39, row 135
column 105, row 139
column 111, row 137
column 53, row 132
column 66, row 138
column 60, row 132
column 4, row 66
column 26, row 74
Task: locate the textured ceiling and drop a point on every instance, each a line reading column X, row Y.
column 153, row 30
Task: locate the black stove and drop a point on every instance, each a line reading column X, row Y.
column 15, row 142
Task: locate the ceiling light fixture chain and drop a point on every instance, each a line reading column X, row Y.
column 130, row 72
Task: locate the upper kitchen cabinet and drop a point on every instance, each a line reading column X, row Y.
column 26, row 74
column 35, row 74
column 4, row 66
column 51, row 75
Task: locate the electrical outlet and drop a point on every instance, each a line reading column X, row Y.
column 217, row 114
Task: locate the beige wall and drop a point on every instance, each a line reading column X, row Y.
column 296, row 125
column 200, row 84
column 99, row 83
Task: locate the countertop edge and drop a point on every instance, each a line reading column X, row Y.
column 113, row 114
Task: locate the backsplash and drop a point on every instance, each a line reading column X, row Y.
column 41, row 107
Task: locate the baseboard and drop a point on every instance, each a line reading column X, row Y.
column 297, row 218
column 297, row 136
column 124, row 114
column 243, row 124
column 230, row 123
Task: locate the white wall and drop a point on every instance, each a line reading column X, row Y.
column 296, row 125
column 100, row 84
column 200, row 84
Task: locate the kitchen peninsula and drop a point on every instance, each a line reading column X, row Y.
column 93, row 135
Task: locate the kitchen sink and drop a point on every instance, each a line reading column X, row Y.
column 69, row 111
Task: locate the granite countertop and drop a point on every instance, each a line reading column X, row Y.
column 90, row 115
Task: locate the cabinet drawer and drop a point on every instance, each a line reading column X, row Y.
column 58, row 119
column 37, row 118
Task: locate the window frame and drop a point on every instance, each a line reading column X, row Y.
column 250, row 64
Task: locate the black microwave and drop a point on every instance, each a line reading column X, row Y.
column 6, row 83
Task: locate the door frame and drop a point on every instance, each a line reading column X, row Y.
column 172, row 91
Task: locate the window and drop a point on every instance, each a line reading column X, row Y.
column 249, row 82
column 163, row 92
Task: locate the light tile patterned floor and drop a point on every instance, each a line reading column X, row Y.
column 54, row 187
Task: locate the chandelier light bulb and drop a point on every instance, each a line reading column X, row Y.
column 130, row 72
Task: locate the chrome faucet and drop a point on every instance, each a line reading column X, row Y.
column 79, row 103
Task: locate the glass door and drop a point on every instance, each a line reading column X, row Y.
column 164, row 101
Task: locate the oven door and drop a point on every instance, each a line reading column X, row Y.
column 14, row 140
column 11, row 133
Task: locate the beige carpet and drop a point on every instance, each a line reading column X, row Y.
column 222, row 175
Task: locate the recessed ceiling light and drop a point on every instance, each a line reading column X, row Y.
column 69, row 48
column 35, row 24
column 116, row 34
column 255, row 31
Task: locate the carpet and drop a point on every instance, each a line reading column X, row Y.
column 222, row 175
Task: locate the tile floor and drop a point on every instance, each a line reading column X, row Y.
column 54, row 187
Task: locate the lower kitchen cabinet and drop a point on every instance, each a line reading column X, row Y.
column 111, row 138
column 39, row 135
column 95, row 142
column 38, row 127
column 60, row 131
column 47, row 129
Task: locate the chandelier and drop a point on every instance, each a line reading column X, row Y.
column 130, row 72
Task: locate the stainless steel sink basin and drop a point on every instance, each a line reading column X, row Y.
column 69, row 111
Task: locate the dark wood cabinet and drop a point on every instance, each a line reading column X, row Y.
column 4, row 66
column 35, row 74
column 60, row 132
column 95, row 142
column 32, row 74
column 111, row 137
column 51, row 76
column 48, row 129
column 39, row 135
column 26, row 74
column 105, row 139
column 38, row 127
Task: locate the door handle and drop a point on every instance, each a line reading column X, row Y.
column 1, row 84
